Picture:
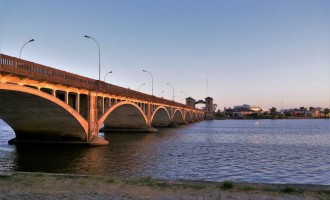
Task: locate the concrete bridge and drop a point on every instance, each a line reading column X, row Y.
column 41, row 103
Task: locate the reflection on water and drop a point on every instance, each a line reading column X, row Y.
column 270, row 151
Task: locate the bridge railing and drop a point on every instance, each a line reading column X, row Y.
column 40, row 72
column 36, row 71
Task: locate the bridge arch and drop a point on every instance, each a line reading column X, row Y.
column 36, row 115
column 124, row 115
column 178, row 117
column 160, row 117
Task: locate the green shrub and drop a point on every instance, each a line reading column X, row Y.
column 227, row 184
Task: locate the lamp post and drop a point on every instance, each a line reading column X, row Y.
column 32, row 40
column 172, row 89
column 86, row 36
column 185, row 96
column 160, row 93
column 107, row 75
column 152, row 82
column 141, row 86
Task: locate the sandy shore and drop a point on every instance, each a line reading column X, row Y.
column 60, row 186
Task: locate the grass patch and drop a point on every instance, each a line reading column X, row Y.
column 110, row 180
column 323, row 195
column 290, row 190
column 147, row 181
column 227, row 185
column 327, row 192
column 162, row 185
column 39, row 174
column 2, row 176
column 197, row 186
column 268, row 189
column 246, row 188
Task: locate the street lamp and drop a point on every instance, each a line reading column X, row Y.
column 172, row 88
column 185, row 96
column 152, row 82
column 32, row 40
column 86, row 36
column 107, row 75
column 141, row 86
column 160, row 93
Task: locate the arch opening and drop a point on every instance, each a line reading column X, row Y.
column 195, row 118
column 37, row 116
column 178, row 117
column 161, row 118
column 188, row 117
column 124, row 115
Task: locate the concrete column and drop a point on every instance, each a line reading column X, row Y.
column 66, row 98
column 109, row 102
column 144, row 108
column 92, row 116
column 103, row 99
column 149, row 115
column 78, row 103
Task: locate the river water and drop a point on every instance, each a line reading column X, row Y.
column 267, row 151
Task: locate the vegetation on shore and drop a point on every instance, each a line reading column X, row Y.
column 271, row 114
column 50, row 186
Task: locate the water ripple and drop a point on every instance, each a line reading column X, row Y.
column 269, row 151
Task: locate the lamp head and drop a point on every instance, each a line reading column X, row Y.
column 144, row 70
column 86, row 36
column 32, row 40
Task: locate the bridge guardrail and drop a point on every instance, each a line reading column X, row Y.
column 36, row 71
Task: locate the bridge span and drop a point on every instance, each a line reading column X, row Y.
column 43, row 104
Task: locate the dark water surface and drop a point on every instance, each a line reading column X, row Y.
column 268, row 151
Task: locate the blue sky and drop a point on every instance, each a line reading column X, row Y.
column 259, row 52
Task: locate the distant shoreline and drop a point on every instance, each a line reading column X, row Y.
column 17, row 185
column 268, row 118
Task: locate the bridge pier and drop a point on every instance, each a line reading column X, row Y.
column 93, row 129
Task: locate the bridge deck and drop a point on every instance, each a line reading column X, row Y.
column 23, row 68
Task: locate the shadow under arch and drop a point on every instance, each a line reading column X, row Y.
column 160, row 117
column 36, row 115
column 178, row 117
column 188, row 117
column 194, row 117
column 124, row 115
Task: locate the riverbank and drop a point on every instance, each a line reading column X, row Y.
column 19, row 185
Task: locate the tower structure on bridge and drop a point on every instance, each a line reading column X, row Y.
column 190, row 102
column 209, row 106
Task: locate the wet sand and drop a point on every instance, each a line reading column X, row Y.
column 19, row 185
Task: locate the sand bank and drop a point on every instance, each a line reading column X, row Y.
column 19, row 185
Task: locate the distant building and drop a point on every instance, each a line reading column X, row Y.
column 242, row 110
column 303, row 112
column 246, row 107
